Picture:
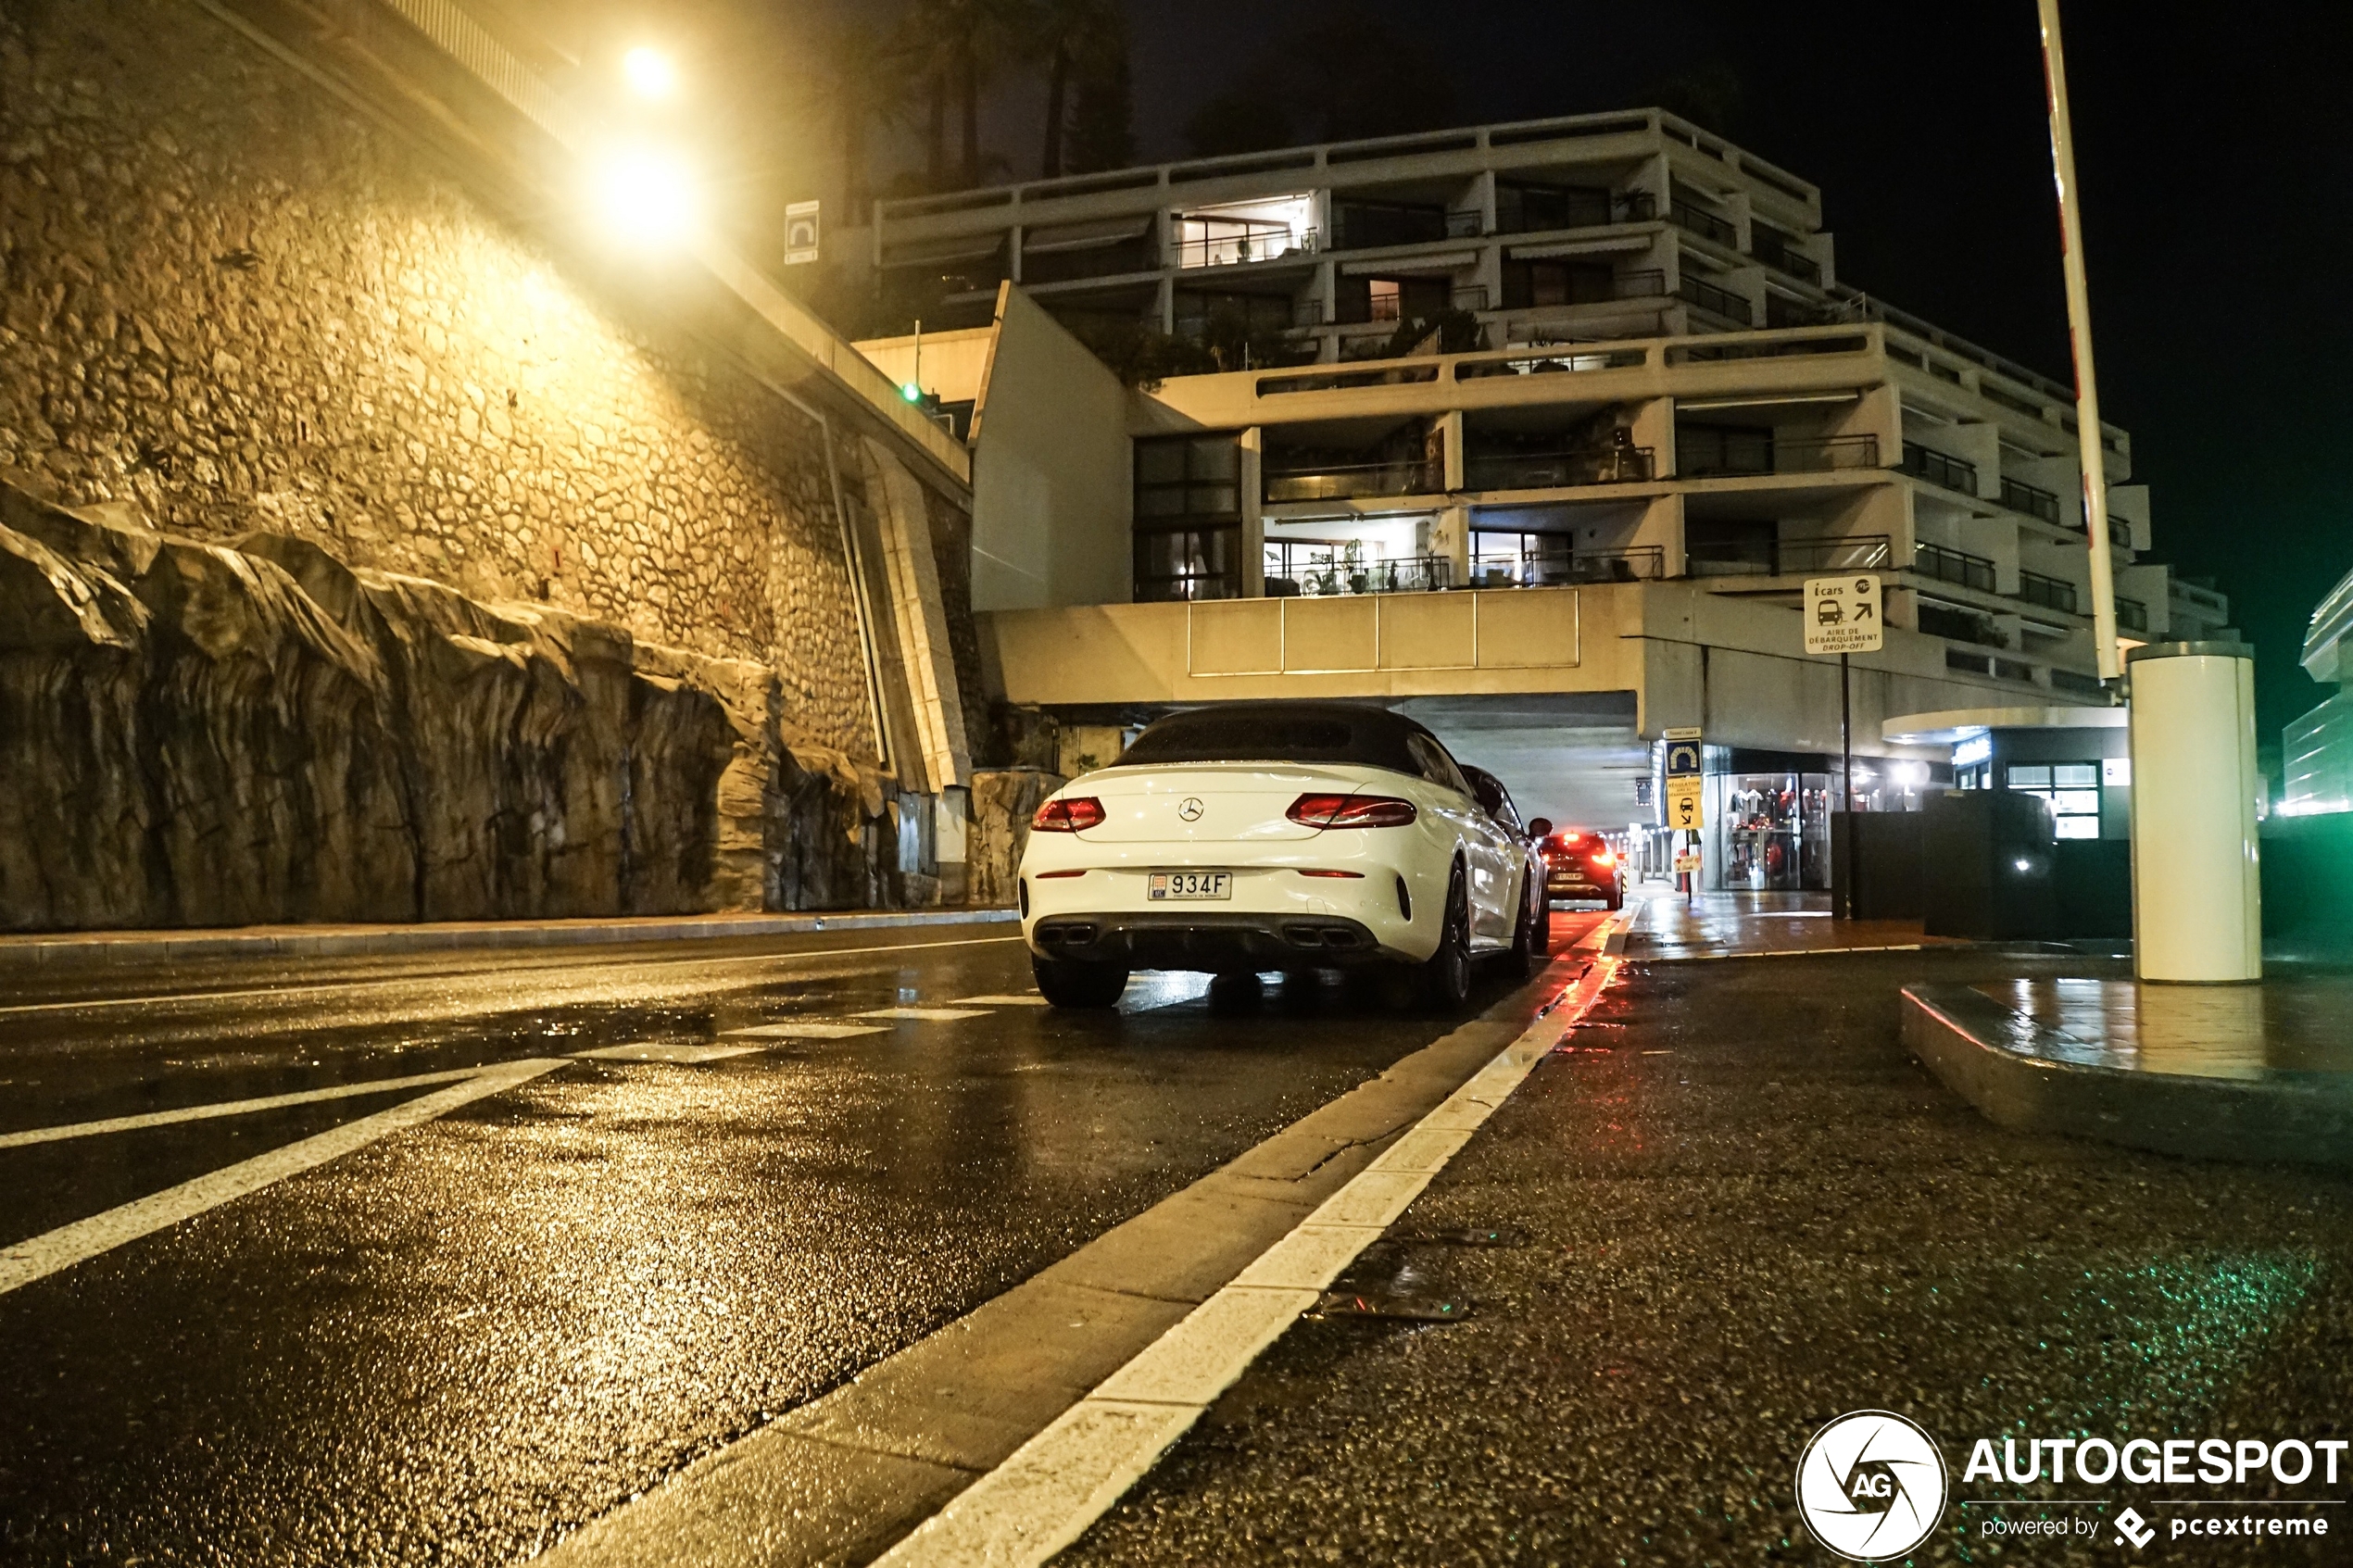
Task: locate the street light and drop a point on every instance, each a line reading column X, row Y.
column 649, row 72
column 643, row 194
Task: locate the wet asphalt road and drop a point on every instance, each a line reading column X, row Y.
column 461, row 1341
column 1741, row 1212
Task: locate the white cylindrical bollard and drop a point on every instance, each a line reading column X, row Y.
column 2198, row 899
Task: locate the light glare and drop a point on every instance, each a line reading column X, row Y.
column 645, row 195
column 649, row 73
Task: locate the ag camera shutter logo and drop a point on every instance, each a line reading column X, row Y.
column 1871, row 1485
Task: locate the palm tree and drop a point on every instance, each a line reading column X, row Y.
column 855, row 81
column 956, row 45
column 1085, row 40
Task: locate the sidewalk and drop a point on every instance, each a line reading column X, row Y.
column 89, row 948
column 2260, row 1073
column 1726, row 925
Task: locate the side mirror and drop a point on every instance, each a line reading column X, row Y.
column 1540, row 827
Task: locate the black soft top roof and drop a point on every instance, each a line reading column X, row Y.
column 1281, row 732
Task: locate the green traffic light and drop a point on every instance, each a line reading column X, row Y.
column 911, row 392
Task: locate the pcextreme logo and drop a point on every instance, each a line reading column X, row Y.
column 1871, row 1485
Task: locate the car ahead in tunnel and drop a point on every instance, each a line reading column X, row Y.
column 1260, row 835
column 1579, row 864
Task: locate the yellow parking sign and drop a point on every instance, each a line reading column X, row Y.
column 1684, row 811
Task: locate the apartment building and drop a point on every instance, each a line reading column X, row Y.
column 1675, row 416
column 2317, row 748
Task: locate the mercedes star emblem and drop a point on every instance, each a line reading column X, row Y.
column 1190, row 809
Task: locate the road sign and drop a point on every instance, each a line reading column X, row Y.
column 1687, row 860
column 800, row 232
column 1684, row 811
column 1683, row 755
column 1843, row 614
column 1690, row 733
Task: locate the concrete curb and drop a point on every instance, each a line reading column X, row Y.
column 98, row 949
column 2026, row 1078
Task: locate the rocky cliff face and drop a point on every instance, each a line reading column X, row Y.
column 197, row 733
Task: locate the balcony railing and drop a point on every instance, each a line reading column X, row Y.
column 1703, row 458
column 2131, row 614
column 1927, row 462
column 1725, row 303
column 1960, row 625
column 1296, row 571
column 1546, row 569
column 1256, row 245
column 1705, row 224
column 1341, row 482
column 1555, row 470
column 2051, row 593
column 1954, row 566
column 2032, row 499
column 1845, row 552
column 1786, row 259
column 1519, row 210
column 1464, row 224
column 1471, row 297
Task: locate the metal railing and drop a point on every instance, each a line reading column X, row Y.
column 1522, row 212
column 1954, row 566
column 1705, row 224
column 1785, row 258
column 1703, row 458
column 1256, row 245
column 1845, row 552
column 1295, row 569
column 2131, row 614
column 1546, row 569
column 2032, row 499
column 1341, row 482
column 1466, row 223
column 1960, row 625
column 1927, row 462
column 1471, row 297
column 1725, row 303
column 2051, row 593
column 1553, row 470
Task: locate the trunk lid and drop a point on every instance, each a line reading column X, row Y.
column 1216, row 802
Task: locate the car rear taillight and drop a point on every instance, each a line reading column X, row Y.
column 1604, row 858
column 1074, row 815
column 1351, row 811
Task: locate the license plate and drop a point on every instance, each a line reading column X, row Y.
column 1191, row 885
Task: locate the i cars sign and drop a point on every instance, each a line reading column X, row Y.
column 1843, row 614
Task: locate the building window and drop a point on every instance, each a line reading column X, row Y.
column 1189, row 518
column 1533, row 284
column 2070, row 789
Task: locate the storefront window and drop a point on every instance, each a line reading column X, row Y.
column 1776, row 832
column 2070, row 789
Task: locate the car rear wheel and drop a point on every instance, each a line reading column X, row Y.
column 1532, row 937
column 1617, row 896
column 1067, row 984
column 1446, row 974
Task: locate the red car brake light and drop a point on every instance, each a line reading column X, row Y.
column 1074, row 815
column 1604, row 858
column 1351, row 811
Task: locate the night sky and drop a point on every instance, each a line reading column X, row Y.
column 2215, row 146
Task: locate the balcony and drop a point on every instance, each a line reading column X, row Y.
column 1705, row 224
column 1371, row 225
column 1760, row 556
column 1234, row 242
column 2032, row 500
column 1298, row 569
column 1723, row 301
column 1557, row 471
column 1952, row 474
column 1524, row 209
column 1710, row 452
column 1954, row 566
column 2051, row 593
column 1547, row 569
column 1345, row 482
column 1960, row 625
column 2131, row 614
column 1787, row 260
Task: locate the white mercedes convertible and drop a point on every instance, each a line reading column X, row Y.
column 1290, row 836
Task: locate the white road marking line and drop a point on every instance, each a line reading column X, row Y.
column 159, row 997
column 1063, row 1479
column 67, row 1245
column 1031, row 1000
column 684, row 1056
column 810, row 1028
column 228, row 1108
column 926, row 1015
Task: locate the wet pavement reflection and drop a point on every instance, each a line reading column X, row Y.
column 2290, row 1026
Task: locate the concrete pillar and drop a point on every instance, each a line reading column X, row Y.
column 2198, row 899
column 1253, row 490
